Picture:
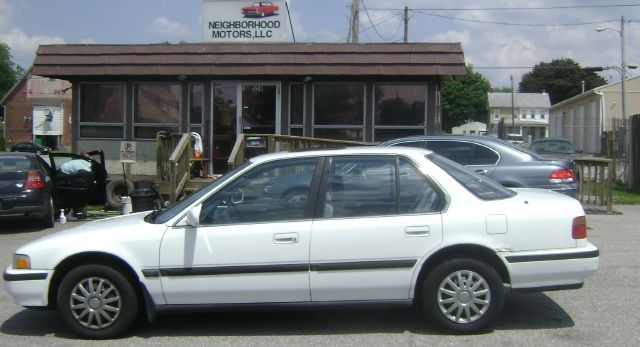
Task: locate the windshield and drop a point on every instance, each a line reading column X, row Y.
column 179, row 206
column 561, row 147
column 481, row 186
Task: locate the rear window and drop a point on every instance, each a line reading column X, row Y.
column 481, row 186
column 10, row 164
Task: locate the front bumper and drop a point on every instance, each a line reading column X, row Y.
column 28, row 288
column 554, row 269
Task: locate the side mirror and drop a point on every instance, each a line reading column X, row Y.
column 193, row 216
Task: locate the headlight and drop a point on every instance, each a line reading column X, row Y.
column 21, row 261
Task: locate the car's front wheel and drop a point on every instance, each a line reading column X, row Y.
column 463, row 295
column 97, row 301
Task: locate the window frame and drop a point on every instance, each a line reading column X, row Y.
column 102, row 124
column 360, row 127
column 134, row 111
column 375, row 126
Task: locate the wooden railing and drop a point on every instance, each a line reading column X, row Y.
column 269, row 143
column 174, row 152
column 595, row 184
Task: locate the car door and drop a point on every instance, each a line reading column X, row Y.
column 82, row 187
column 252, row 242
column 373, row 225
column 476, row 157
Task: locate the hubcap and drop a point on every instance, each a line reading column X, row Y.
column 95, row 303
column 464, row 296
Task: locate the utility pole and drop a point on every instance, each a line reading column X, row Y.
column 406, row 24
column 355, row 21
column 513, row 108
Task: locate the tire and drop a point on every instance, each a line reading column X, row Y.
column 47, row 221
column 116, row 189
column 463, row 308
column 97, row 302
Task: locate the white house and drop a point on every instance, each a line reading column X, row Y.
column 523, row 113
column 471, row 128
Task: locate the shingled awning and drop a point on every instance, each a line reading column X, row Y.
column 293, row 59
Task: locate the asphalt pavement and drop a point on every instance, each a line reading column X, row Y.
column 605, row 312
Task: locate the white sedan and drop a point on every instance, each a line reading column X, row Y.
column 357, row 226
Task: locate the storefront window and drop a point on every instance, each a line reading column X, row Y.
column 338, row 111
column 157, row 108
column 196, row 102
column 102, row 110
column 400, row 110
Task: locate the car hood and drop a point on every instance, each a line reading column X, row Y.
column 114, row 226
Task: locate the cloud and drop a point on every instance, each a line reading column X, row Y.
column 23, row 43
column 164, row 26
column 6, row 11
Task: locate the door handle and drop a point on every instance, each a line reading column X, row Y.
column 482, row 172
column 417, row 231
column 285, row 238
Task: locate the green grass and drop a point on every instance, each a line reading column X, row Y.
column 621, row 196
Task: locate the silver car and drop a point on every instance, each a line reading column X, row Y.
column 510, row 165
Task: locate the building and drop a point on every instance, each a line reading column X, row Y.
column 38, row 109
column 527, row 114
column 588, row 119
column 362, row 92
column 471, row 128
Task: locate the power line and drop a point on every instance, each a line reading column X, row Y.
column 510, row 8
column 513, row 24
column 373, row 25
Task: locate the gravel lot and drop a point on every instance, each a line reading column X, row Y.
column 603, row 313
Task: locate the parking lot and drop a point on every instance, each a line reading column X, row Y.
column 604, row 312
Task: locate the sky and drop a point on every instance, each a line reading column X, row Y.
column 498, row 36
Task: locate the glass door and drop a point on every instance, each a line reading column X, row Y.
column 249, row 108
column 259, row 108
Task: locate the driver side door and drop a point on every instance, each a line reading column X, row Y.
column 252, row 241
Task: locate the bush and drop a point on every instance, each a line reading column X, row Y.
column 2, row 143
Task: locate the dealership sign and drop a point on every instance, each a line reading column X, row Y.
column 244, row 21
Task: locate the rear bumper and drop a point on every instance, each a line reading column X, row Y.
column 21, row 211
column 28, row 288
column 551, row 270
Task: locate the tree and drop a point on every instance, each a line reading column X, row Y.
column 465, row 100
column 9, row 71
column 561, row 79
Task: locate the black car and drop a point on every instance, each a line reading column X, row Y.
column 30, row 147
column 75, row 190
column 508, row 164
column 26, row 188
column 561, row 148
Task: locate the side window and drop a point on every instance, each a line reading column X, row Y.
column 361, row 186
column 417, row 193
column 271, row 192
column 460, row 152
column 483, row 156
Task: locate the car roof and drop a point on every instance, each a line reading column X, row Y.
column 359, row 150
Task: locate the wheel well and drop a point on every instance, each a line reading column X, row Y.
column 476, row 252
column 92, row 258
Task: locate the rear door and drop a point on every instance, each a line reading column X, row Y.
column 80, row 188
column 377, row 216
column 476, row 157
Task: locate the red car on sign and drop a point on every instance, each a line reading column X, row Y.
column 260, row 9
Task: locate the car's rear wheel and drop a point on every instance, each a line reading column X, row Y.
column 463, row 295
column 97, row 301
column 48, row 220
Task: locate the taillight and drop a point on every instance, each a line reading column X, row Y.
column 34, row 180
column 562, row 176
column 579, row 228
